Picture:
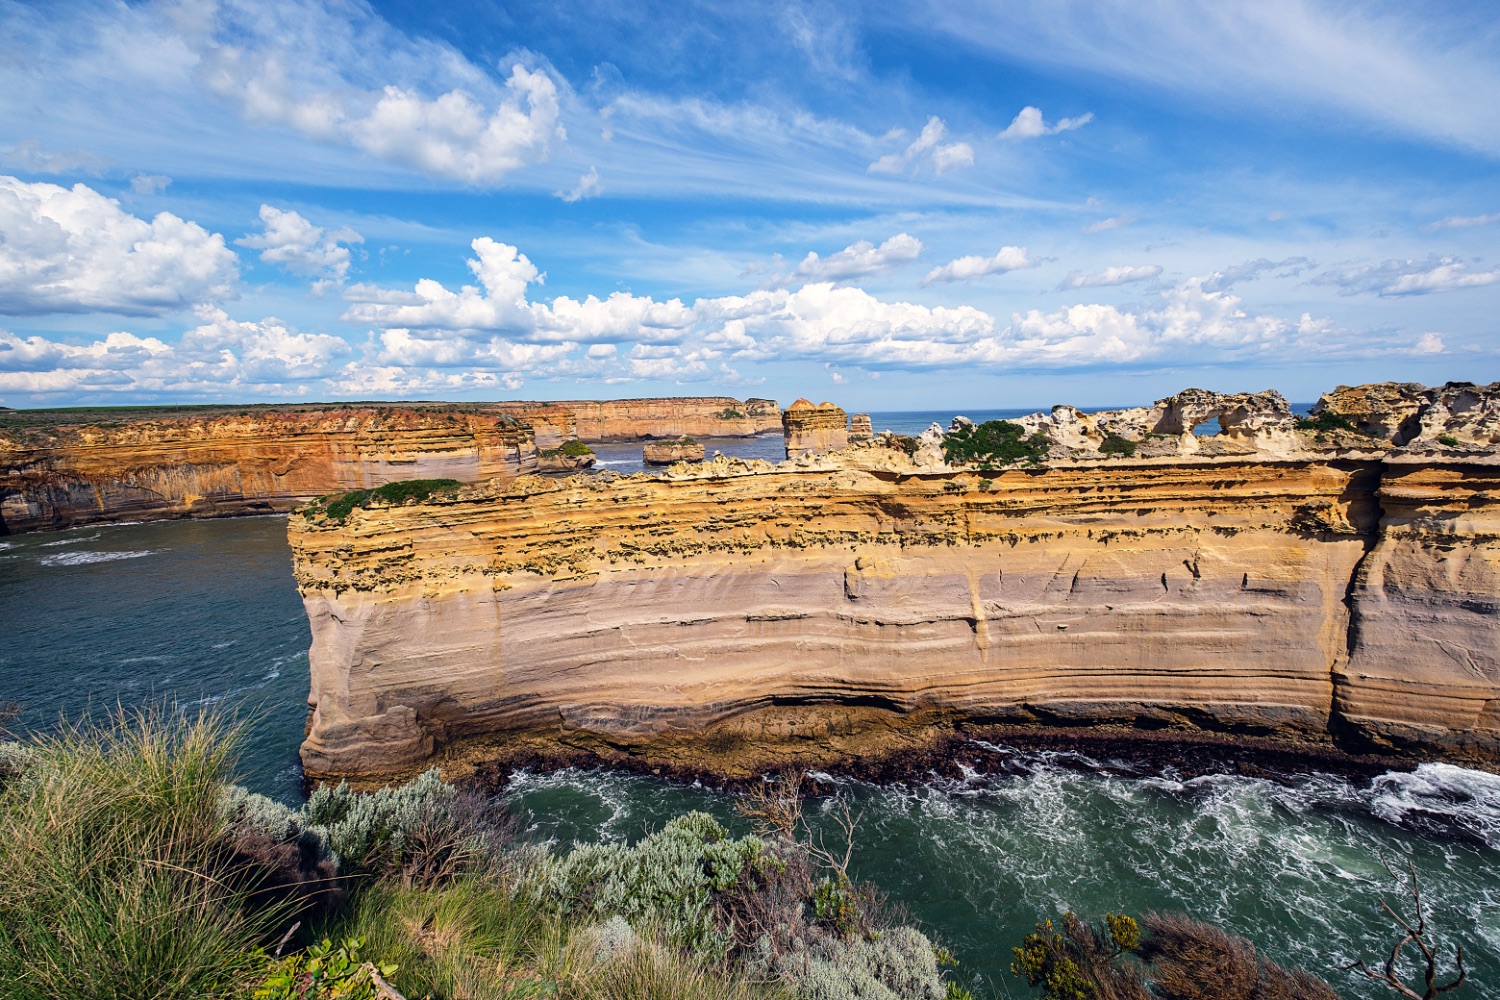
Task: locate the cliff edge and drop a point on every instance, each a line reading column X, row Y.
column 1304, row 580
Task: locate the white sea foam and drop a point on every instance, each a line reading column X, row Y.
column 85, row 558
column 1441, row 796
column 68, row 541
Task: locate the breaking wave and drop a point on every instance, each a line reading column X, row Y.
column 85, row 558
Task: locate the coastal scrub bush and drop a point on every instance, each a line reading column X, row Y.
column 1327, row 421
column 116, row 877
column 1114, row 444
column 425, row 832
column 994, row 443
column 339, row 507
column 1178, row 958
column 1447, row 440
column 730, row 413
column 668, row 880
column 572, row 448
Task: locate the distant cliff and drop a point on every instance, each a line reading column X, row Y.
column 636, row 419
column 1311, row 581
column 58, row 469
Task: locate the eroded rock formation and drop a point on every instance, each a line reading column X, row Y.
column 811, row 430
column 668, row 452
column 738, row 616
column 53, row 474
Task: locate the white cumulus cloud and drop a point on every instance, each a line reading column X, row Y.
column 1028, row 124
column 291, row 241
column 433, row 111
column 588, row 185
column 927, row 148
column 969, row 268
column 859, row 260
column 74, row 250
column 499, row 304
column 219, row 357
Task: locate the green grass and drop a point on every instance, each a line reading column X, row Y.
column 115, row 880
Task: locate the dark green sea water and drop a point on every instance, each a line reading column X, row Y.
column 206, row 613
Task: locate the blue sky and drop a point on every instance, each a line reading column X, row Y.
column 895, row 206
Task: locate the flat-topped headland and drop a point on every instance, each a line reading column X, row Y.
column 68, row 467
column 1327, row 583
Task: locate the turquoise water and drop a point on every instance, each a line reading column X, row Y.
column 206, row 613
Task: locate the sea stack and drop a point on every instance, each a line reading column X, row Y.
column 813, row 430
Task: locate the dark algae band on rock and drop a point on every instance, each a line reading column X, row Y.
column 1329, row 590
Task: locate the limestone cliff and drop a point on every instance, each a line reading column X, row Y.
column 65, row 470
column 637, row 419
column 59, row 468
column 738, row 616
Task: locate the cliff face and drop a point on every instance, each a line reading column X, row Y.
column 122, row 466
column 263, row 460
column 1426, row 605
column 636, row 419
column 741, row 616
column 812, row 430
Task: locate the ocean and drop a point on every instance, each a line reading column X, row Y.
column 200, row 613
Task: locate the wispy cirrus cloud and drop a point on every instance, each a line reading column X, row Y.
column 1462, row 222
column 1388, row 65
column 1223, row 280
column 1113, row 222
column 1395, row 278
column 1121, row 275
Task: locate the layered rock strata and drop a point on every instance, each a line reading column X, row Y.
column 264, row 459
column 739, row 616
column 812, row 430
column 638, row 419
column 668, row 452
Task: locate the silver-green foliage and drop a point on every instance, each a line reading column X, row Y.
column 666, row 881
column 897, row 964
column 244, row 810
column 366, row 830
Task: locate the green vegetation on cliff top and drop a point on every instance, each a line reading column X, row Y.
column 337, row 508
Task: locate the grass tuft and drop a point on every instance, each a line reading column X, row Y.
column 115, row 876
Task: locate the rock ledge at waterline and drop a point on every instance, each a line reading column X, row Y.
column 1334, row 586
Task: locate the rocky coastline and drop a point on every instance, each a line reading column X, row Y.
column 64, row 468
column 1325, row 585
